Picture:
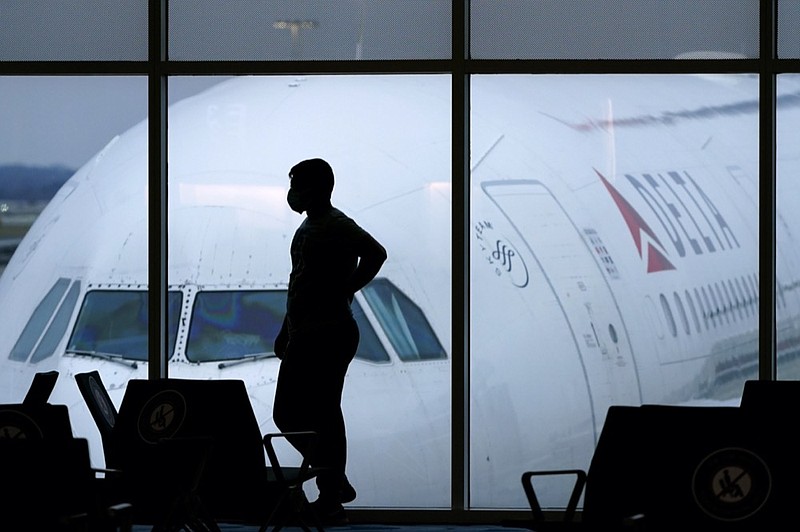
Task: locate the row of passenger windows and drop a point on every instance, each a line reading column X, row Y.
column 712, row 305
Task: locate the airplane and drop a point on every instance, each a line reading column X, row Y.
column 613, row 259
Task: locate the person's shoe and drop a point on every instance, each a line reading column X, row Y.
column 348, row 492
column 330, row 513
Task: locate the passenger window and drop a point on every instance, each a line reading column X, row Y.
column 693, row 310
column 113, row 323
column 673, row 328
column 703, row 311
column 682, row 313
column 403, row 321
column 38, row 321
column 235, row 325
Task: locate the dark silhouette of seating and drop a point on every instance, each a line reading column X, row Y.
column 234, row 483
column 46, row 485
column 35, row 421
column 102, row 409
column 35, row 418
column 48, row 482
column 660, row 468
column 41, row 387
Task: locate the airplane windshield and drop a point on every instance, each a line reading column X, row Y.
column 114, row 324
column 234, row 325
column 239, row 325
column 404, row 322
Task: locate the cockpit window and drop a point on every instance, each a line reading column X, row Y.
column 369, row 345
column 57, row 328
column 235, row 325
column 38, row 321
column 113, row 323
column 404, row 322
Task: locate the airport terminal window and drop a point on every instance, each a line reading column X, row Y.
column 78, row 30
column 716, row 29
column 38, row 321
column 113, row 323
column 404, row 323
column 281, row 30
column 614, row 29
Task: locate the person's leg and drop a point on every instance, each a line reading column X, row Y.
column 343, row 341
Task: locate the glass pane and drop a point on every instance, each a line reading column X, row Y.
column 613, row 29
column 388, row 140
column 787, row 259
column 113, row 324
column 602, row 208
column 287, row 30
column 73, row 214
column 77, row 30
column 789, row 29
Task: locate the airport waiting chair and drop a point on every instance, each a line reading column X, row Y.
column 48, row 482
column 214, row 417
column 50, row 485
column 663, row 468
column 159, row 478
column 237, row 486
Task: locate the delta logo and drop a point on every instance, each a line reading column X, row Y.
column 692, row 222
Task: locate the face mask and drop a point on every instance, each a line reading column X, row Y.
column 297, row 201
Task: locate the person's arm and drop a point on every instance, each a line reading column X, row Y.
column 371, row 256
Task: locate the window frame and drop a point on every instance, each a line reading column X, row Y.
column 157, row 68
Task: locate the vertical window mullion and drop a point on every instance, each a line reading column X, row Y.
column 157, row 191
column 460, row 260
column 767, row 193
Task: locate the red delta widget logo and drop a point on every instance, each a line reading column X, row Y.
column 687, row 215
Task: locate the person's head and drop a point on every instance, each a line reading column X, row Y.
column 310, row 185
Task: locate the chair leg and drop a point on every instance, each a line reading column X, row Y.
column 291, row 504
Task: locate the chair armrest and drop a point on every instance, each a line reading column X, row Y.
column 305, row 441
column 533, row 501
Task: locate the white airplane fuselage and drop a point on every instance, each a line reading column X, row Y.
column 613, row 257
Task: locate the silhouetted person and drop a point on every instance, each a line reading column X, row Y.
column 332, row 259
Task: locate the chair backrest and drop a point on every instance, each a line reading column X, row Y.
column 35, row 421
column 770, row 397
column 102, row 409
column 219, row 410
column 41, row 387
column 685, row 467
column 613, row 489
